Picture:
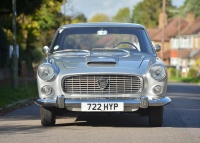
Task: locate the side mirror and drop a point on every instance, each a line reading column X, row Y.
column 157, row 48
column 46, row 50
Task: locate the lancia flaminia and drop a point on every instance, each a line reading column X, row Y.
column 102, row 67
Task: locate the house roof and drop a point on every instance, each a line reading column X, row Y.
column 171, row 29
column 153, row 32
column 187, row 27
column 192, row 28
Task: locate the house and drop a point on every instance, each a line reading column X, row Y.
column 185, row 47
column 181, row 42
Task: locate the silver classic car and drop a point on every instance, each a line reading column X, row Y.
column 102, row 67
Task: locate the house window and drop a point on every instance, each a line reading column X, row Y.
column 173, row 61
column 186, row 42
column 174, row 43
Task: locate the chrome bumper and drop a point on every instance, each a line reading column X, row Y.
column 143, row 102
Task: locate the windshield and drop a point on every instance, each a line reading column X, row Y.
column 88, row 38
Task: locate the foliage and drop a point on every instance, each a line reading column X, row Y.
column 123, row 15
column 99, row 17
column 147, row 12
column 190, row 80
column 171, row 72
column 22, row 6
column 79, row 18
column 192, row 73
column 191, row 6
column 36, row 26
column 3, row 49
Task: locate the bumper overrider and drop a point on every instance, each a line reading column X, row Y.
column 143, row 102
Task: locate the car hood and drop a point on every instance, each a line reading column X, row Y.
column 128, row 61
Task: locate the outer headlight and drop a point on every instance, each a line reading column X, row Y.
column 46, row 72
column 157, row 72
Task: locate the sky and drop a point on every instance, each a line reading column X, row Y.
column 109, row 7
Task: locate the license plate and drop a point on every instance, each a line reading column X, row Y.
column 102, row 107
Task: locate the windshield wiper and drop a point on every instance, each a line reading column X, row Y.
column 110, row 49
column 72, row 50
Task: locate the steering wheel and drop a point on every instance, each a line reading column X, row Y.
column 125, row 43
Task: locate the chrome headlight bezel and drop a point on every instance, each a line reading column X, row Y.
column 157, row 72
column 49, row 69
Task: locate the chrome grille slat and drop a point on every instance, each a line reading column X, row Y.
column 87, row 84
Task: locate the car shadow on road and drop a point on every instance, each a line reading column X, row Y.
column 173, row 117
column 108, row 120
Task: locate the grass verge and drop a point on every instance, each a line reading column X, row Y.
column 11, row 99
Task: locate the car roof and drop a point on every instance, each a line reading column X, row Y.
column 103, row 24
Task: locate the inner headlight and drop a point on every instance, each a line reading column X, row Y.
column 157, row 72
column 46, row 89
column 46, row 72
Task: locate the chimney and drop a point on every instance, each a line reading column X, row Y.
column 161, row 22
column 190, row 17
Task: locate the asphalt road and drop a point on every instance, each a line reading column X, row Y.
column 181, row 124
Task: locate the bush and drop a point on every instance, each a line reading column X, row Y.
column 192, row 73
column 171, row 72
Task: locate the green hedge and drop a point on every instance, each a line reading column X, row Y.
column 172, row 72
column 192, row 73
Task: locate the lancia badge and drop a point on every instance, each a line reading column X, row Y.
column 102, row 83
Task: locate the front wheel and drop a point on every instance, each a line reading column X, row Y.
column 47, row 116
column 156, row 116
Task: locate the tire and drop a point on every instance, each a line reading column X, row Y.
column 47, row 116
column 156, row 116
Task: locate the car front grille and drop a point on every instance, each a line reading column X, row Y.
column 102, row 84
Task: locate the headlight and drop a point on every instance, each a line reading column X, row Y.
column 46, row 89
column 158, row 89
column 157, row 72
column 46, row 72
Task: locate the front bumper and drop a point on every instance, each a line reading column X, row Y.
column 129, row 105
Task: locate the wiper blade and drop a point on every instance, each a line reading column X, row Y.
column 105, row 49
column 71, row 50
column 111, row 49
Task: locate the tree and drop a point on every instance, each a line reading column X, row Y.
column 191, row 6
column 123, row 15
column 79, row 18
column 35, row 30
column 3, row 49
column 147, row 12
column 23, row 6
column 99, row 17
column 37, row 21
column 34, row 18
